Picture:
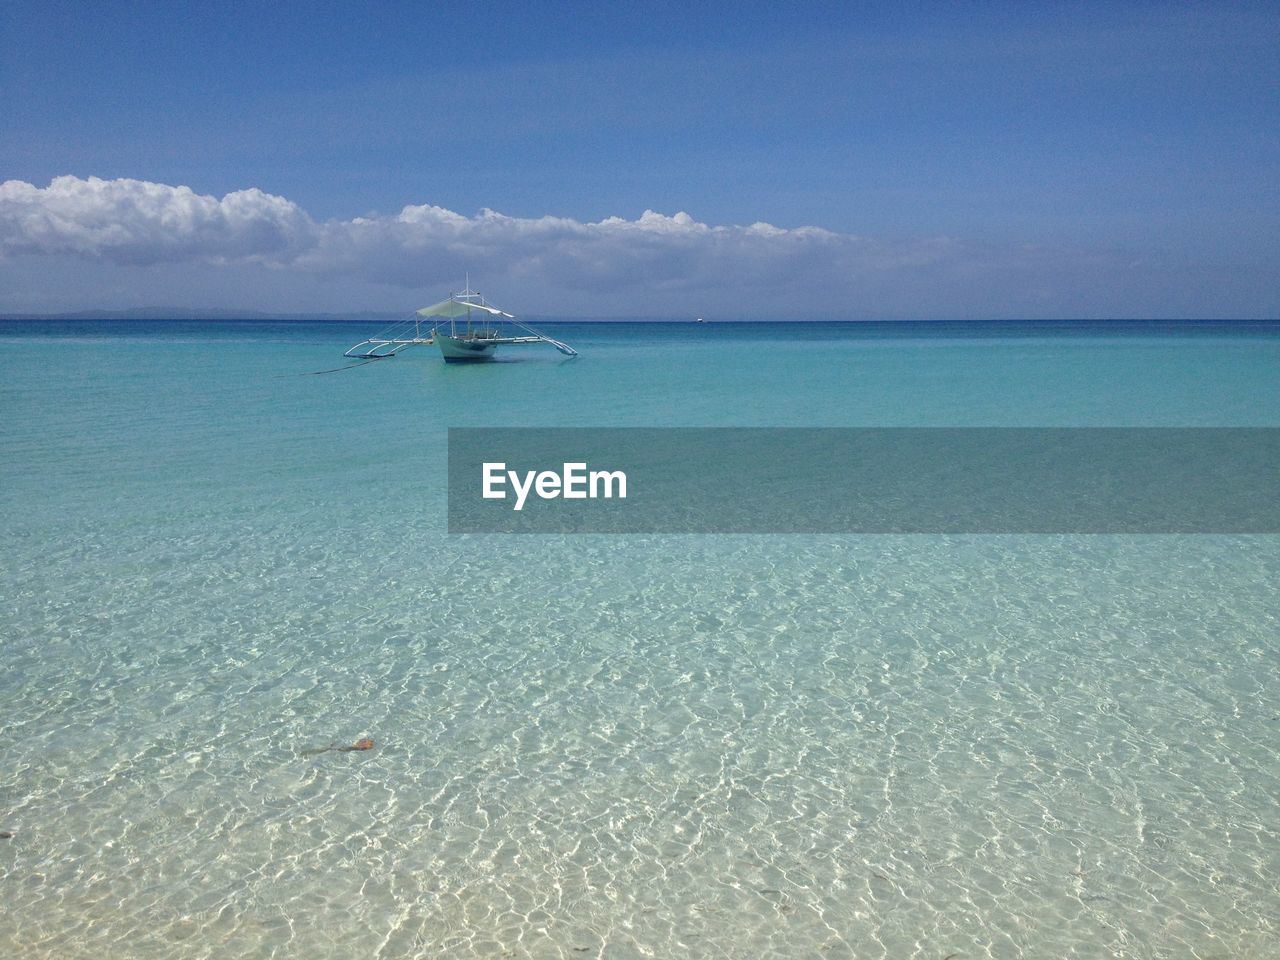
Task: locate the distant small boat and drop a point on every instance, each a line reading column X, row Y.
column 699, row 320
column 473, row 332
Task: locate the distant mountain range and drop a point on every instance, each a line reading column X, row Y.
column 187, row 313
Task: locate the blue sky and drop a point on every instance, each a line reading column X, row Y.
column 952, row 159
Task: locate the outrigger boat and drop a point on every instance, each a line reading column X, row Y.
column 466, row 328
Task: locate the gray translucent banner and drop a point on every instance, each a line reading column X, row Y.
column 885, row 480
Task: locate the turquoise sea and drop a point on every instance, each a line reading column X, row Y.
column 622, row 747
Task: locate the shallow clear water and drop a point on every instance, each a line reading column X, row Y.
column 1003, row 746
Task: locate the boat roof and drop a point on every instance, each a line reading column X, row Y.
column 459, row 305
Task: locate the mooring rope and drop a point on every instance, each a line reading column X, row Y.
column 349, row 366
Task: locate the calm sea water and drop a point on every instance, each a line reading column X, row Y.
column 1003, row 746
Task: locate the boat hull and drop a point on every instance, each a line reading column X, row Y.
column 458, row 350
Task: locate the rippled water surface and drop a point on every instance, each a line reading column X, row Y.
column 919, row 746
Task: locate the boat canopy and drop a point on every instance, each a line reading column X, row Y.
column 454, row 307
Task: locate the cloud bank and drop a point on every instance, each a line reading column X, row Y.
column 135, row 222
column 654, row 262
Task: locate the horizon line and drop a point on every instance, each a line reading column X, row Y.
column 371, row 316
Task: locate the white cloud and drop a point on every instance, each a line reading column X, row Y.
column 137, row 222
column 655, row 263
column 653, row 250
